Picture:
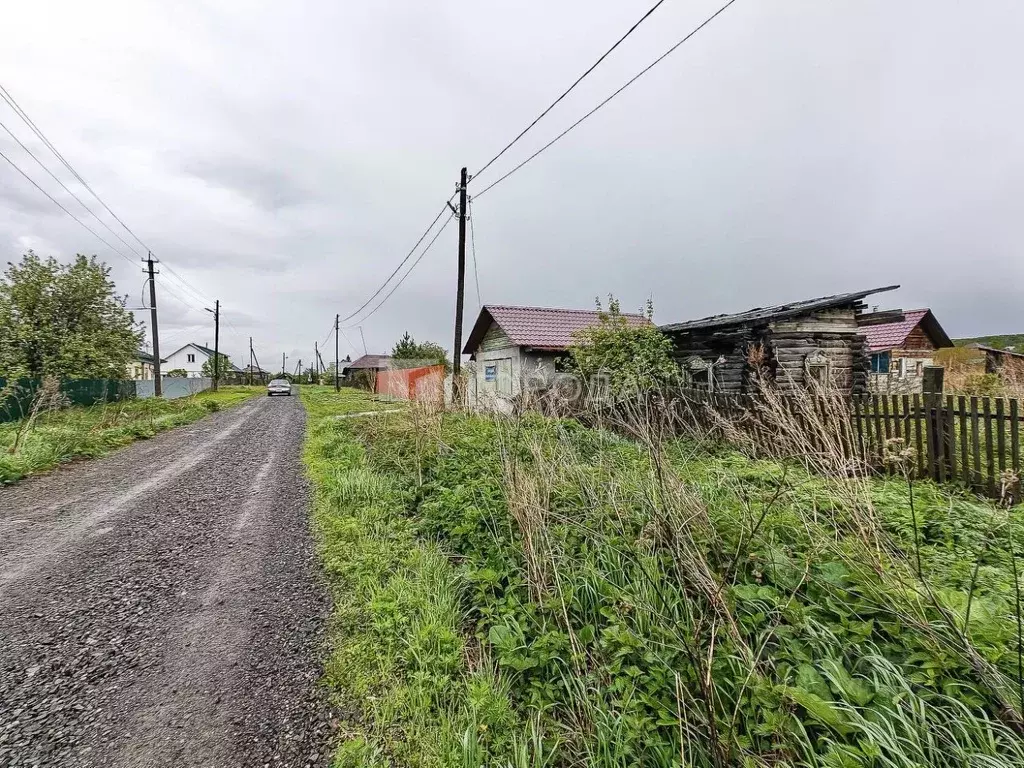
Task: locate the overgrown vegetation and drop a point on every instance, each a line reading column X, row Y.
column 51, row 435
column 408, row 353
column 629, row 355
column 529, row 592
column 1005, row 341
column 64, row 320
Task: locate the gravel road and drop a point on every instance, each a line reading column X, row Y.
column 161, row 606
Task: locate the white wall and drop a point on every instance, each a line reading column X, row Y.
column 180, row 360
column 513, row 366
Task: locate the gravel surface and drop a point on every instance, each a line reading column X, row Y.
column 161, row 606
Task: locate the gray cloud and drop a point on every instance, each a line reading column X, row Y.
column 284, row 158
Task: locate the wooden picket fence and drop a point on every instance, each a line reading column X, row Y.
column 958, row 439
column 972, row 441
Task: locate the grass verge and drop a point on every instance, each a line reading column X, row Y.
column 412, row 683
column 527, row 592
column 87, row 432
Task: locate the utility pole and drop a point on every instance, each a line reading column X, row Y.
column 250, row 361
column 460, row 291
column 282, row 364
column 157, row 383
column 316, row 356
column 216, row 342
column 337, row 382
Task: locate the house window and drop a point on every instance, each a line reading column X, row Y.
column 191, row 358
column 491, row 372
column 879, row 362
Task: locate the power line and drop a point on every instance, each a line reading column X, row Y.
column 642, row 72
column 402, row 263
column 6, row 96
column 568, row 90
column 65, row 188
column 69, row 213
column 472, row 240
column 409, row 272
column 186, row 284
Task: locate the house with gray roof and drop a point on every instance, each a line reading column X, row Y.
column 791, row 344
column 189, row 358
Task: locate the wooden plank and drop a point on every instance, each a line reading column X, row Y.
column 885, row 419
column 949, row 442
column 859, row 435
column 918, row 427
column 1014, row 438
column 906, row 421
column 935, row 441
column 990, row 455
column 1000, row 435
column 976, row 442
column 965, row 467
column 879, row 439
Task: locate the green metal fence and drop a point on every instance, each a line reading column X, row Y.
column 17, row 396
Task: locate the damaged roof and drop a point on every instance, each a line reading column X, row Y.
column 764, row 315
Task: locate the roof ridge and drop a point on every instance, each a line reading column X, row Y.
column 558, row 309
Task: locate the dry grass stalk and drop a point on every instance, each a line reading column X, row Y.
column 47, row 398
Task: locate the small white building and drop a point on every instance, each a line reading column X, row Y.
column 515, row 346
column 141, row 368
column 189, row 358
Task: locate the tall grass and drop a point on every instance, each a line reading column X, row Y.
column 625, row 596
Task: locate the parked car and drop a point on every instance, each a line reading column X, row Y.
column 279, row 387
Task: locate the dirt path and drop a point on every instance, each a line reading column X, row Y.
column 160, row 607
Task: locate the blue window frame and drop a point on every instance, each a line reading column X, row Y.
column 880, row 362
column 490, row 373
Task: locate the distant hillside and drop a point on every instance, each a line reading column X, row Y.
column 1015, row 340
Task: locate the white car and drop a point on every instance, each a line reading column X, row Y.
column 279, row 387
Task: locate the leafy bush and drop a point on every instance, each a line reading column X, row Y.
column 630, row 355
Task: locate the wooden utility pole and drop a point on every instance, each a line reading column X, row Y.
column 337, row 381
column 250, row 361
column 460, row 291
column 282, row 364
column 157, row 383
column 216, row 343
column 316, row 365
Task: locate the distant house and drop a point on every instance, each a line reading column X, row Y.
column 901, row 350
column 243, row 374
column 142, row 366
column 367, row 365
column 509, row 343
column 1003, row 362
column 792, row 343
column 189, row 358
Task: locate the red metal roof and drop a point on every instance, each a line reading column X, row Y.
column 892, row 335
column 545, row 328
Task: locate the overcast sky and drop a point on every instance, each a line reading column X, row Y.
column 284, row 157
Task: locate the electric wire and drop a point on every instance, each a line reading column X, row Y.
column 628, row 83
column 472, row 240
column 6, row 96
column 569, row 90
column 69, row 213
column 65, row 188
column 16, row 107
column 402, row 263
column 406, row 275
